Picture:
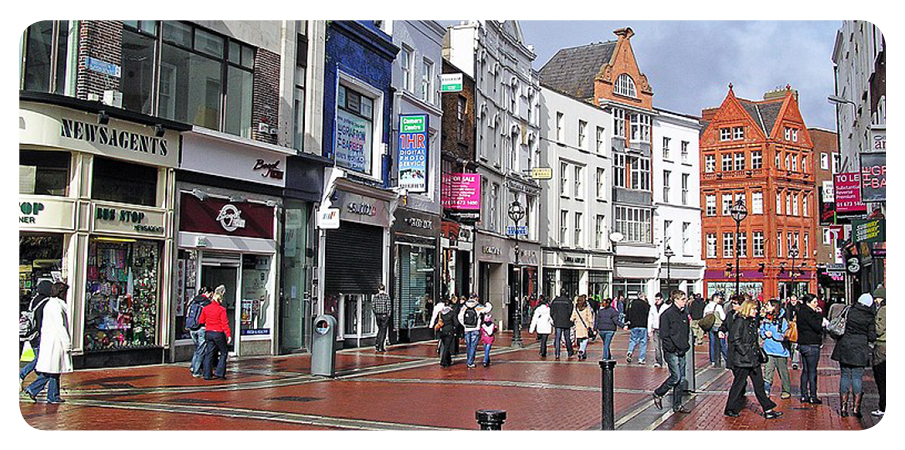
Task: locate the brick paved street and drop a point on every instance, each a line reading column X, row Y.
column 405, row 388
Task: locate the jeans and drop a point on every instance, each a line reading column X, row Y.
column 30, row 366
column 543, row 343
column 676, row 364
column 810, row 356
column 53, row 390
column 471, row 345
column 658, row 347
column 487, row 354
column 607, row 337
column 562, row 334
column 851, row 379
column 779, row 364
column 383, row 324
column 718, row 346
column 200, row 347
column 737, row 392
column 880, row 378
column 215, row 342
column 638, row 337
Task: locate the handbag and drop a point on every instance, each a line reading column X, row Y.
column 791, row 334
column 706, row 322
column 592, row 333
column 836, row 327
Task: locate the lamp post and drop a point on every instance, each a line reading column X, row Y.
column 517, row 213
column 739, row 212
column 793, row 252
column 668, row 253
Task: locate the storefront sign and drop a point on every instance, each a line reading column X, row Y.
column 574, row 260
column 352, row 148
column 853, row 265
column 216, row 155
column 847, row 187
column 41, row 213
column 220, row 216
column 878, row 252
column 110, row 218
column 54, row 126
column 412, row 152
column 521, row 187
column 488, row 250
column 415, row 222
column 541, row 173
column 827, row 190
column 230, row 218
column 269, row 169
column 461, row 191
column 328, row 219
column 873, row 176
column 728, row 287
column 450, row 82
column 363, row 209
column 873, row 230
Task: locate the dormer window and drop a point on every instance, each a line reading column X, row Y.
column 625, row 86
column 725, row 134
column 738, row 133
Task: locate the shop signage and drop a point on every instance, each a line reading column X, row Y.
column 522, row 187
column 853, row 265
column 270, row 170
column 878, row 252
column 847, row 187
column 873, row 230
column 574, row 260
column 415, row 222
column 220, row 216
column 328, row 219
column 127, row 220
column 466, row 235
column 215, row 155
column 873, row 176
column 450, row 82
column 362, row 209
column 541, row 173
column 461, row 191
column 728, row 287
column 42, row 213
column 352, row 147
column 516, row 231
column 412, row 156
column 230, row 218
column 30, row 211
column 490, row 250
column 96, row 65
column 827, row 190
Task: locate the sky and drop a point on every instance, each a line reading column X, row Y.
column 689, row 64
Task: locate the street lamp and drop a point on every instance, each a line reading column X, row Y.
column 793, row 252
column 517, row 213
column 738, row 211
column 668, row 253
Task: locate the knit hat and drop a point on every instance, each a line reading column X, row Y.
column 866, row 299
column 880, row 292
column 488, row 318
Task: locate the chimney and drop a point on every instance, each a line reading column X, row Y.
column 780, row 92
column 707, row 114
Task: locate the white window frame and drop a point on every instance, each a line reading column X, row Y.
column 726, row 161
column 804, row 205
column 685, row 145
column 794, row 134
column 376, row 96
column 578, row 226
column 711, row 245
column 619, row 122
column 739, row 161
column 725, row 134
column 600, row 232
column 757, row 159
column 666, row 176
column 601, row 136
column 779, row 244
column 742, row 244
column 665, row 147
column 427, row 80
column 577, row 183
column 787, row 133
column 824, row 161
column 710, row 205
column 685, row 179
column 738, row 133
column 582, row 134
column 726, row 204
column 807, row 239
column 778, row 203
column 685, row 237
column 601, row 183
column 625, row 85
column 728, row 245
column 667, row 224
column 405, row 62
column 709, row 163
column 619, row 169
column 757, row 202
column 563, row 227
column 564, row 179
column 758, row 244
column 559, row 120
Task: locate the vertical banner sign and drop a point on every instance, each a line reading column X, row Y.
column 412, row 156
column 847, row 187
column 873, row 177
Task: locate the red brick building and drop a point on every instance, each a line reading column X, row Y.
column 760, row 152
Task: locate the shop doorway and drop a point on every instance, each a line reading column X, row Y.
column 214, row 274
column 358, row 320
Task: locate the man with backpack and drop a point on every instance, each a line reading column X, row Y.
column 561, row 311
column 470, row 318
column 696, row 310
column 30, row 325
column 196, row 329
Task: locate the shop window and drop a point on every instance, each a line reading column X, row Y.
column 43, row 173
column 121, row 294
column 40, row 258
column 123, row 182
column 256, row 298
column 49, row 49
column 186, row 279
column 354, row 130
column 415, row 285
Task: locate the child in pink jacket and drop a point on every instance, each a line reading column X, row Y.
column 488, row 334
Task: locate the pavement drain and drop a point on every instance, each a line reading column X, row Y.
column 296, row 399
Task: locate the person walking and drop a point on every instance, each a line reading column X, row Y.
column 718, row 346
column 653, row 328
column 810, row 337
column 456, row 305
column 696, row 311
column 734, row 306
column 196, row 329
column 772, row 330
column 561, row 312
column 608, row 321
column 470, row 318
column 583, row 318
column 636, row 323
column 674, row 336
column 36, row 306
column 852, row 352
column 217, row 335
column 445, row 324
column 744, row 353
column 56, row 345
column 542, row 323
column 488, row 335
column 383, row 309
column 791, row 315
column 879, row 361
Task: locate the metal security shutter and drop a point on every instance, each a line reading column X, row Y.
column 354, row 257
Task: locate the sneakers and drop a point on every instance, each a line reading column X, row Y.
column 785, row 395
column 628, row 358
column 794, row 366
column 772, row 414
column 656, row 365
column 681, row 410
column 641, row 362
column 56, row 402
column 877, row 413
column 730, row 413
column 471, row 366
column 658, row 402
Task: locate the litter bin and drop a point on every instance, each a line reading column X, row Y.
column 323, row 350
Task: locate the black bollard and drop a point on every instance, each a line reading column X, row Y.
column 608, row 420
column 490, row 419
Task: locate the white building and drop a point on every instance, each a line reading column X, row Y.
column 576, row 208
column 677, row 217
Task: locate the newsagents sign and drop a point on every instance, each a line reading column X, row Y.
column 412, row 154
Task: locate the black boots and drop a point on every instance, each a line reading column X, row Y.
column 857, row 410
column 843, row 401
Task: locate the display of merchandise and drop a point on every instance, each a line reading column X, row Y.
column 121, row 295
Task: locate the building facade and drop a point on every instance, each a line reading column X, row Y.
column 830, row 267
column 759, row 153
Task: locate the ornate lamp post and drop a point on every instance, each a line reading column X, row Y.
column 739, row 212
column 668, row 253
column 793, row 252
column 517, row 213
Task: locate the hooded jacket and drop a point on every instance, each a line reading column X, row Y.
column 480, row 308
column 541, row 321
column 561, row 311
column 653, row 317
column 56, row 342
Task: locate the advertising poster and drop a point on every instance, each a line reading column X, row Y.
column 873, row 177
column 461, row 192
column 412, row 152
column 847, row 187
column 353, row 142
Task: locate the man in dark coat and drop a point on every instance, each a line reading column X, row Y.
column 674, row 336
column 561, row 312
column 696, row 310
column 636, row 321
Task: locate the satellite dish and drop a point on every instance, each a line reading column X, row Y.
column 616, row 237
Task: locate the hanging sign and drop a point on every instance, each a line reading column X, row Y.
column 847, row 187
column 412, row 152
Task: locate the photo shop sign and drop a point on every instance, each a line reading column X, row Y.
column 412, row 152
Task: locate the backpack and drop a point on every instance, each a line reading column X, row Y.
column 447, row 322
column 836, row 327
column 28, row 327
column 706, row 323
column 471, row 317
column 191, row 318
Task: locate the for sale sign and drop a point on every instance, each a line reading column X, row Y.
column 847, row 187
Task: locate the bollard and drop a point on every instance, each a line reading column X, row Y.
column 490, row 419
column 690, row 382
column 608, row 421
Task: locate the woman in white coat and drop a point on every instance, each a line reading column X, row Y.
column 56, row 344
column 542, row 322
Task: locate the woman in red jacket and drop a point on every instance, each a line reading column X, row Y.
column 217, row 335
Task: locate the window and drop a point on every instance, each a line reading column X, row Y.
column 640, row 173
column 804, row 164
column 743, row 245
column 645, row 128
column 711, row 245
column 804, row 205
column 790, row 243
column 776, row 163
column 794, row 135
column 789, row 203
column 757, row 202
column 354, row 130
column 625, row 85
column 513, row 99
column 685, row 188
column 577, row 242
column 807, row 238
column 427, row 81
column 738, row 133
column 635, row 126
column 301, row 61
column 778, row 203
column 727, row 203
column 795, row 205
column 709, row 163
column 563, row 227
column 758, row 244
column 827, row 236
column 619, row 122
column 725, row 134
column 582, row 133
column 685, row 151
column 836, row 163
column 578, row 194
column 619, row 170
column 727, row 245
column 665, row 148
column 460, row 118
column 563, row 179
column 123, row 182
column 824, row 161
column 634, row 224
column 559, row 126
column 667, row 224
column 787, row 133
column 788, row 165
column 685, row 237
column 600, row 235
column 44, row 172
column 666, row 174
column 601, row 183
column 494, row 207
column 49, row 49
column 757, row 160
column 779, row 244
column 405, row 61
column 726, row 159
column 794, row 163
column 739, row 161
column 600, row 139
column 740, row 197
column 137, row 83
column 710, row 202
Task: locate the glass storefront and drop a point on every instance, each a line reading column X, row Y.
column 629, row 288
column 256, row 299
column 121, row 301
column 295, row 311
column 598, row 282
column 727, row 288
column 40, row 258
column 415, row 284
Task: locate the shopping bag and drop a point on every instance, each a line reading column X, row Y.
column 28, row 353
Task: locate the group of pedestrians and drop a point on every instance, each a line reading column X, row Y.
column 208, row 324
column 466, row 318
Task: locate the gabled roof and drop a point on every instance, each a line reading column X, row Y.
column 763, row 113
column 571, row 71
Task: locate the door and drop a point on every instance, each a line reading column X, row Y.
column 228, row 276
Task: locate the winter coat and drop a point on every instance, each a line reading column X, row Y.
column 488, row 334
column 583, row 320
column 810, row 326
column 56, row 342
column 561, row 311
column 853, row 348
column 674, row 330
column 743, row 348
column 607, row 320
column 541, row 321
column 696, row 308
column 774, row 344
column 880, row 344
column 637, row 314
column 479, row 308
column 653, row 317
